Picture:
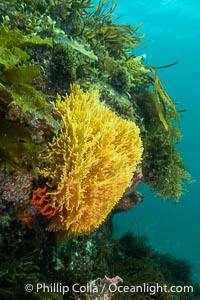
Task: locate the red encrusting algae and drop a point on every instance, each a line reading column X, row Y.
column 28, row 220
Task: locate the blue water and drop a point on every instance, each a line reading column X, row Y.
column 172, row 32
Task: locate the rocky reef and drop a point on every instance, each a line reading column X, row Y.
column 84, row 122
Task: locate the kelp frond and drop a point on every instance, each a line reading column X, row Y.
column 78, row 46
column 21, row 98
column 15, row 38
column 103, row 6
column 162, row 100
column 78, row 5
column 116, row 38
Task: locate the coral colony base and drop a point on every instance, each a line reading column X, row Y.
column 84, row 121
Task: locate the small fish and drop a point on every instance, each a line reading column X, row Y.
column 181, row 110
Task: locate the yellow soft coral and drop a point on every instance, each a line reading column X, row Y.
column 92, row 161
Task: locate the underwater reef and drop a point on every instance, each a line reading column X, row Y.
column 84, row 122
